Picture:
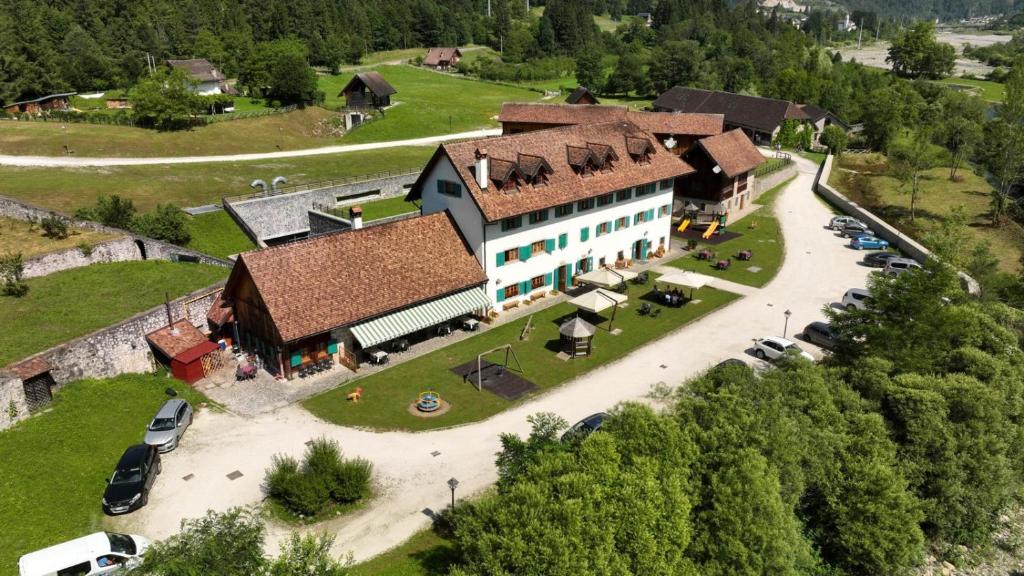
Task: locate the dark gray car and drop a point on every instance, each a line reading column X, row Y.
column 854, row 229
column 820, row 333
column 169, row 424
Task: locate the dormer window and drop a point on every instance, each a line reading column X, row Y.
column 534, row 169
column 505, row 175
column 602, row 156
column 581, row 159
column 640, row 149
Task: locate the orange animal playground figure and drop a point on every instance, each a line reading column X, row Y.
column 356, row 395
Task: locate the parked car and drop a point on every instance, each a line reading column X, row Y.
column 840, row 222
column 820, row 333
column 878, row 259
column 897, row 266
column 169, row 424
column 585, row 427
column 855, row 229
column 97, row 553
column 128, row 488
column 856, row 299
column 868, row 243
column 773, row 348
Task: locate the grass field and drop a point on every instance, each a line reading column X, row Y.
column 987, row 89
column 389, row 392
column 216, row 234
column 72, row 303
column 54, row 464
column 382, row 208
column 26, row 238
column 759, row 233
column 306, row 128
column 428, row 103
column 192, row 184
column 425, row 554
column 938, row 197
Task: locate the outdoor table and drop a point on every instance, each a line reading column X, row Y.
column 704, row 255
column 722, row 264
column 745, row 255
column 379, row 357
column 471, row 324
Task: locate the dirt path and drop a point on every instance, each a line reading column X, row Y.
column 411, row 469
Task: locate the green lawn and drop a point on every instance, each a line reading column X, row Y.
column 26, row 238
column 428, row 104
column 216, row 234
column 884, row 196
column 987, row 89
column 73, row 303
column 67, row 189
column 54, row 464
column 381, row 208
column 759, row 233
column 387, row 394
column 425, row 554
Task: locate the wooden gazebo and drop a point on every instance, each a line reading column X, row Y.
column 577, row 337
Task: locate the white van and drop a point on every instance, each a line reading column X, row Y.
column 99, row 553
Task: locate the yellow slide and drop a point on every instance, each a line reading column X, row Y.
column 683, row 224
column 711, row 230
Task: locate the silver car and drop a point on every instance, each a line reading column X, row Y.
column 169, row 424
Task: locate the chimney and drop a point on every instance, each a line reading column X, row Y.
column 482, row 168
column 355, row 214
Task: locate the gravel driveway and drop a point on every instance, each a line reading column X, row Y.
column 411, row 469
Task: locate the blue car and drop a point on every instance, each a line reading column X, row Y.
column 868, row 242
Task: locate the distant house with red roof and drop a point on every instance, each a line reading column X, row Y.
column 723, row 166
column 442, row 58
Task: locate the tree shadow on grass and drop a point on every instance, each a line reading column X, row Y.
column 436, row 560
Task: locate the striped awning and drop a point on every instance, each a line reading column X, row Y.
column 420, row 316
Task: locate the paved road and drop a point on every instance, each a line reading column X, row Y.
column 73, row 162
column 411, row 477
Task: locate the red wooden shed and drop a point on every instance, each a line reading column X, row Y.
column 188, row 352
column 188, row 365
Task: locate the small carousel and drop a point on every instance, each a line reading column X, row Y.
column 577, row 337
column 428, row 405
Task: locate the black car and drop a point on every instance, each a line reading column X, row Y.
column 585, row 427
column 854, row 229
column 128, row 488
column 879, row 259
column 820, row 333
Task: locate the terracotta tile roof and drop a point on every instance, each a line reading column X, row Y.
column 219, row 313
column 762, row 114
column 531, row 165
column 653, row 122
column 199, row 69
column 314, row 285
column 30, row 368
column 172, row 345
column 561, row 148
column 733, row 152
column 435, row 56
column 372, row 80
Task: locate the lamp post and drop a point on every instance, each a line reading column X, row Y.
column 453, row 484
column 785, row 327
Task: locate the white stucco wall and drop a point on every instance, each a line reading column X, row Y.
column 463, row 209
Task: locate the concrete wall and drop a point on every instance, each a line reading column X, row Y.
column 287, row 214
column 761, row 185
column 882, row 229
column 128, row 247
column 13, row 406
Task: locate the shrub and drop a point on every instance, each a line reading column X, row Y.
column 166, row 222
column 85, row 248
column 323, row 478
column 12, row 266
column 54, row 227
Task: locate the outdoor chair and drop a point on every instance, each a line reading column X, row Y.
column 655, row 313
column 642, row 278
column 644, row 309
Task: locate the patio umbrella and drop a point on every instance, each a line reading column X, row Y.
column 597, row 300
column 687, row 279
column 606, row 277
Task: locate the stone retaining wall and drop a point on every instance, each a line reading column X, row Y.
column 766, row 183
column 271, row 217
column 883, row 229
column 128, row 247
column 13, row 406
column 110, row 351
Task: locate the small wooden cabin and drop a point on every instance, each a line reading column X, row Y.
column 368, row 90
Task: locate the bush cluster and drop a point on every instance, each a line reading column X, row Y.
column 54, row 227
column 323, row 478
column 165, row 222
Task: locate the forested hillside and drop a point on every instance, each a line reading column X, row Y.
column 928, row 9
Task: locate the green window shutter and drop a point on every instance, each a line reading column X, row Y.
column 501, row 295
column 590, row 263
column 618, row 225
column 563, row 240
column 332, row 347
column 549, row 245
column 296, row 358
column 625, row 223
column 636, row 218
column 524, row 287
column 524, row 253
column 501, row 258
column 547, row 279
column 650, row 215
column 584, row 234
